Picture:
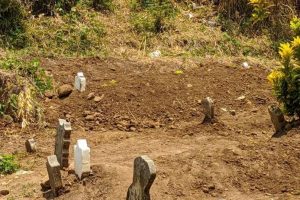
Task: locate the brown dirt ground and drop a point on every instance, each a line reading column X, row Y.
column 150, row 110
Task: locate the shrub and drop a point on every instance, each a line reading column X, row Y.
column 153, row 15
column 8, row 164
column 11, row 24
column 286, row 79
column 19, row 91
column 11, row 16
column 48, row 7
column 103, row 5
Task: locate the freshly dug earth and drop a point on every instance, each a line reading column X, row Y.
column 144, row 108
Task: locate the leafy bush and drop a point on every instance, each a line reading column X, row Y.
column 11, row 24
column 103, row 5
column 48, row 7
column 19, row 92
column 286, row 79
column 153, row 15
column 8, row 164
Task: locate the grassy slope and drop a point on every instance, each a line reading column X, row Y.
column 85, row 32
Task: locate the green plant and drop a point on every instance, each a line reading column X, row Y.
column 103, row 5
column 261, row 10
column 285, row 80
column 8, row 164
column 12, row 26
column 153, row 16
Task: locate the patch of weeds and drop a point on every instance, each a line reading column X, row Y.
column 152, row 16
column 103, row 5
column 78, row 33
column 12, row 28
column 8, row 164
column 31, row 70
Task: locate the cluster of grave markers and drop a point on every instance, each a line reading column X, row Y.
column 144, row 172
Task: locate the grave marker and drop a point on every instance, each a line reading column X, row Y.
column 30, row 145
column 53, row 169
column 80, row 82
column 277, row 118
column 208, row 109
column 62, row 142
column 82, row 159
column 143, row 177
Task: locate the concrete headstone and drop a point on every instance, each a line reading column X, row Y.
column 80, row 82
column 143, row 177
column 53, row 169
column 30, row 145
column 62, row 142
column 82, row 159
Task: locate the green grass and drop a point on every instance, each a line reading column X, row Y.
column 8, row 164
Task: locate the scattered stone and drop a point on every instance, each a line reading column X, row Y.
column 245, row 65
column 91, row 96
column 241, row 98
column 98, row 99
column 53, row 169
column 155, row 54
column 62, row 142
column 132, row 129
column 4, row 192
column 46, row 185
column 277, row 118
column 30, row 145
column 80, row 82
column 143, row 177
column 64, row 90
column 232, row 112
column 8, row 119
column 23, row 172
column 189, row 85
column 90, row 118
column 208, row 108
column 190, row 15
column 50, row 94
column 82, row 159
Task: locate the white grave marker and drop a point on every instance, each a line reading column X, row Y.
column 80, row 82
column 82, row 158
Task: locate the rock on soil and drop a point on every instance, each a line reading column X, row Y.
column 65, row 90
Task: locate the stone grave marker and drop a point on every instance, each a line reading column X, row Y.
column 82, row 159
column 30, row 145
column 277, row 118
column 53, row 169
column 62, row 142
column 80, row 82
column 143, row 177
column 208, row 109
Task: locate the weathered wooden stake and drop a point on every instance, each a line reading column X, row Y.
column 277, row 118
column 62, row 142
column 143, row 177
column 53, row 169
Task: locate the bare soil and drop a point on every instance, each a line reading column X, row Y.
column 146, row 109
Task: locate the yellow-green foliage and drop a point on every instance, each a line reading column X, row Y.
column 286, row 79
